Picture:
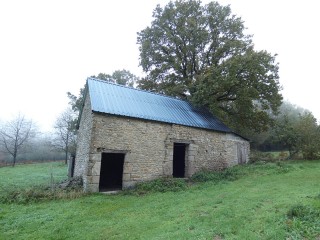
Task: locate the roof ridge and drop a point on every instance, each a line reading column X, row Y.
column 137, row 89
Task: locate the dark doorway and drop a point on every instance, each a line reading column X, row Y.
column 179, row 155
column 111, row 171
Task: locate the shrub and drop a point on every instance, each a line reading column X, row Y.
column 299, row 211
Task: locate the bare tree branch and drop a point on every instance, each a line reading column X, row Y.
column 14, row 134
column 65, row 133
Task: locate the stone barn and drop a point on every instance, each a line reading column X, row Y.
column 127, row 136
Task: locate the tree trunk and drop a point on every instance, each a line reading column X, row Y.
column 66, row 158
column 67, row 149
column 14, row 160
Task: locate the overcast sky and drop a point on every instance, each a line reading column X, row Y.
column 48, row 48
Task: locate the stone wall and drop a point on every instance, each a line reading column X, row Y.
column 237, row 150
column 148, row 148
column 84, row 142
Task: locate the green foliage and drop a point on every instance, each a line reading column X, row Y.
column 242, row 90
column 298, row 134
column 286, row 134
column 200, row 52
column 308, row 136
column 76, row 102
column 280, row 136
column 122, row 77
column 303, row 222
column 294, row 130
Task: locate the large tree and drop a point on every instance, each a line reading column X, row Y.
column 14, row 135
column 200, row 52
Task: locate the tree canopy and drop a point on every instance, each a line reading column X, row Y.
column 201, row 53
column 122, row 77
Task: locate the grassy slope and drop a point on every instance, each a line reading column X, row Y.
column 252, row 207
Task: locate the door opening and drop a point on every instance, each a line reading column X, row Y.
column 111, row 171
column 179, row 162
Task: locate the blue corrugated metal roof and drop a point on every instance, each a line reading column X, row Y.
column 116, row 99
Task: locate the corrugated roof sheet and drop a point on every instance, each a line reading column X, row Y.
column 120, row 100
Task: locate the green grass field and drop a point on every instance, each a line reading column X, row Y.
column 26, row 175
column 267, row 201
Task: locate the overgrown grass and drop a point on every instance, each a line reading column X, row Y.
column 247, row 202
column 37, row 194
